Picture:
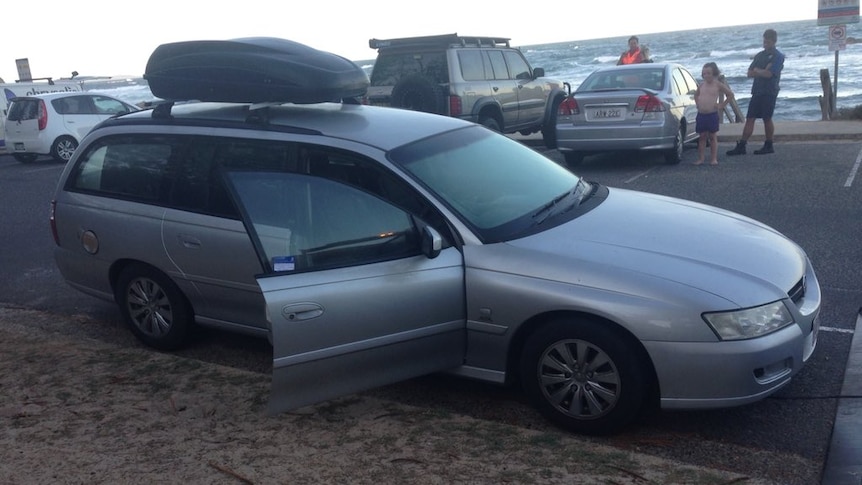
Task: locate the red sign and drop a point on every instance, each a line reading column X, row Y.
column 833, row 12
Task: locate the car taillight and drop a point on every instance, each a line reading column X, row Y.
column 43, row 116
column 53, row 219
column 455, row 106
column 648, row 103
column 568, row 107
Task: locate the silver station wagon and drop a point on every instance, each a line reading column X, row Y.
column 372, row 245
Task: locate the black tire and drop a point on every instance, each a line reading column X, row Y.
column 674, row 155
column 490, row 122
column 549, row 129
column 25, row 157
column 419, row 93
column 63, row 148
column 583, row 376
column 154, row 307
column 573, row 159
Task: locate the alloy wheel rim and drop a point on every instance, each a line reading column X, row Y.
column 579, row 379
column 149, row 307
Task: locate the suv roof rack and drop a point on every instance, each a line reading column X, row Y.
column 445, row 40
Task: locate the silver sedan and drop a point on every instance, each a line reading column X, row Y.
column 646, row 107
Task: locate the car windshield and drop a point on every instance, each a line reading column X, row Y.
column 497, row 186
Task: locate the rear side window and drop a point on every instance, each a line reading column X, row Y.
column 74, row 105
column 472, row 65
column 130, row 170
column 498, row 64
column 390, row 67
column 182, row 172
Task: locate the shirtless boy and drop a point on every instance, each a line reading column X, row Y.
column 707, row 97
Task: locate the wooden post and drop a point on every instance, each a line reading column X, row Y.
column 732, row 106
column 826, row 107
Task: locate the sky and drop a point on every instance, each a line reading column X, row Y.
column 110, row 38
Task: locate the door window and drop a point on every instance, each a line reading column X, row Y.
column 498, row 64
column 109, row 106
column 306, row 222
column 518, row 67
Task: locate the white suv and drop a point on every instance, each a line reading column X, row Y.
column 53, row 124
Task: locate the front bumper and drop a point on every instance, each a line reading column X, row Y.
column 701, row 375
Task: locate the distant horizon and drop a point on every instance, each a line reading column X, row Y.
column 372, row 57
column 106, row 44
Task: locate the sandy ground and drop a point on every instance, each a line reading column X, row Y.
column 76, row 410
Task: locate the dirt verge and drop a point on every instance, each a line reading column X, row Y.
column 76, row 410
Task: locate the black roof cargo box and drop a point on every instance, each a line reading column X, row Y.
column 251, row 70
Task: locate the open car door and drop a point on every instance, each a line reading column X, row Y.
column 352, row 300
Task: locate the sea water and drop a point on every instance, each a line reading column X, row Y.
column 804, row 44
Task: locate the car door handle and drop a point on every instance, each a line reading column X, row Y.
column 189, row 242
column 495, row 88
column 301, row 311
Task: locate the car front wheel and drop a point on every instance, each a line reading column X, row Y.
column 154, row 308
column 63, row 148
column 583, row 376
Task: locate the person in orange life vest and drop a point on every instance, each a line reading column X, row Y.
column 634, row 55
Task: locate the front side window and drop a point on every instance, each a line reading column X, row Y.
column 306, row 222
column 518, row 67
column 109, row 106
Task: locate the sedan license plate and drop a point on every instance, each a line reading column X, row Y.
column 19, row 147
column 605, row 114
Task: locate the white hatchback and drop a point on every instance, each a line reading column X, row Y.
column 53, row 124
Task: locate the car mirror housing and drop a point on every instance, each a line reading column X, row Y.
column 432, row 242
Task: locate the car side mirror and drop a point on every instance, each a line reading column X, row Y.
column 538, row 72
column 432, row 242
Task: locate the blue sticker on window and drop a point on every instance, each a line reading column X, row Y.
column 284, row 263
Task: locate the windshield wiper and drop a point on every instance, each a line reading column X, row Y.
column 580, row 192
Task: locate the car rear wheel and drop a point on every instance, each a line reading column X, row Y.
column 154, row 307
column 63, row 148
column 490, row 122
column 549, row 129
column 674, row 155
column 584, row 376
column 25, row 157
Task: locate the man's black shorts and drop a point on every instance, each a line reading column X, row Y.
column 761, row 106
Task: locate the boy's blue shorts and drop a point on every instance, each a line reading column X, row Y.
column 706, row 122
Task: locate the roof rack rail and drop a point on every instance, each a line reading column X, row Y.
column 444, row 40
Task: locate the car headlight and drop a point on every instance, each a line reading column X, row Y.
column 749, row 323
